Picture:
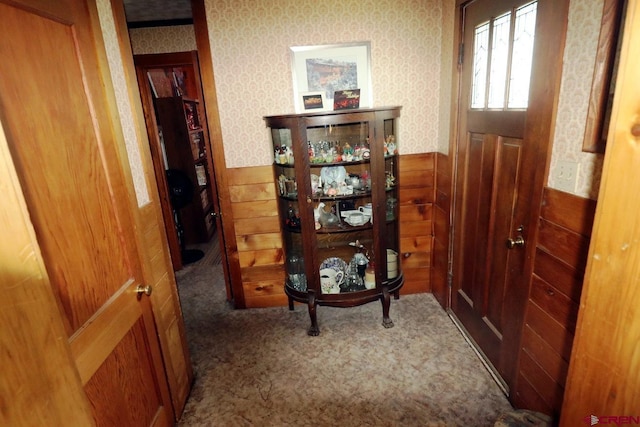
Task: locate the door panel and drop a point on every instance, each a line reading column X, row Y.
column 501, row 162
column 59, row 131
column 478, row 174
column 120, row 406
column 504, row 194
column 78, row 172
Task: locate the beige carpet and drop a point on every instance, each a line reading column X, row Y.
column 260, row 368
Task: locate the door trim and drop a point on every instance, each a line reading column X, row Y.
column 225, row 223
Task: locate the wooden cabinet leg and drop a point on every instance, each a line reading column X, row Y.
column 314, row 330
column 385, row 298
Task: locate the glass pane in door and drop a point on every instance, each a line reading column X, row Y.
column 522, row 55
column 480, row 58
column 499, row 61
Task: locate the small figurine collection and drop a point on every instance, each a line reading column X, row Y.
column 334, row 180
column 283, row 155
column 334, row 151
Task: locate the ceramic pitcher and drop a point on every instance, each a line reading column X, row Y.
column 330, row 280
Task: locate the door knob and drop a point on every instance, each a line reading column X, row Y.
column 141, row 289
column 518, row 241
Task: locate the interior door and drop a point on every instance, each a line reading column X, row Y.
column 58, row 119
column 505, row 113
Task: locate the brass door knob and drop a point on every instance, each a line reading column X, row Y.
column 141, row 289
column 518, row 241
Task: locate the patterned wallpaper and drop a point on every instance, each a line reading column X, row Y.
column 411, row 54
column 179, row 38
column 114, row 57
column 579, row 62
column 250, row 43
column 446, row 74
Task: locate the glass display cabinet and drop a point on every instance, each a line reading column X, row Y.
column 336, row 176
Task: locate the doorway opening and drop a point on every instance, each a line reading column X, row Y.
column 181, row 74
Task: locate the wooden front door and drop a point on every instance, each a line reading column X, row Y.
column 59, row 122
column 506, row 106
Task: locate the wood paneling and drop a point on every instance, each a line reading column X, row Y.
column 441, row 226
column 259, row 242
column 263, row 286
column 552, row 307
column 258, row 237
column 564, row 277
column 261, row 257
column 252, row 242
column 416, row 193
column 250, row 226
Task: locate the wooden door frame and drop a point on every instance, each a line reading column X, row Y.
column 142, row 64
column 539, row 127
column 221, row 203
column 155, row 148
column 232, row 271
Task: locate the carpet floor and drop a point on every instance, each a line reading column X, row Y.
column 259, row 367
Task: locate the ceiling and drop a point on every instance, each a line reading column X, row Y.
column 151, row 13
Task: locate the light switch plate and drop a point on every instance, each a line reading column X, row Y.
column 566, row 176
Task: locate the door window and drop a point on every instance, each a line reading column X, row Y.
column 502, row 54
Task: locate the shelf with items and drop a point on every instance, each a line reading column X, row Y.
column 185, row 150
column 198, row 152
column 336, row 179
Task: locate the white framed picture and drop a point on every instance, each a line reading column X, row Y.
column 331, row 68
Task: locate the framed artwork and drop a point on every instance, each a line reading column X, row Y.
column 330, row 68
column 313, row 101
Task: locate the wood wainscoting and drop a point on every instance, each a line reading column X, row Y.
column 259, row 241
column 554, row 296
column 441, row 225
column 417, row 193
column 258, row 236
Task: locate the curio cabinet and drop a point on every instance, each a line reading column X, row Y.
column 336, row 177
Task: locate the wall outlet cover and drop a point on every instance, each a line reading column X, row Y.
column 566, row 176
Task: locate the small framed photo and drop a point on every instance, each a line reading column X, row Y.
column 346, row 99
column 313, row 101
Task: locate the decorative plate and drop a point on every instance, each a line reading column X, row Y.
column 338, row 264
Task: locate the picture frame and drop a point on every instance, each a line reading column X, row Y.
column 347, row 99
column 329, row 68
column 313, row 101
